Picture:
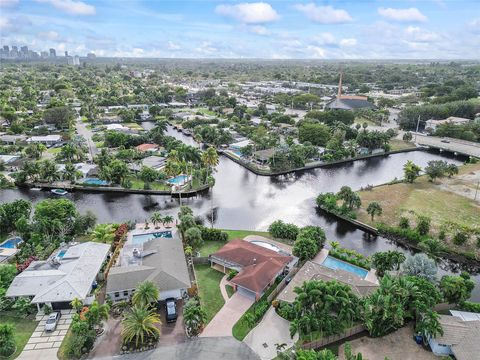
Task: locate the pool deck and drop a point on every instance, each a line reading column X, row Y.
column 322, row 255
column 282, row 246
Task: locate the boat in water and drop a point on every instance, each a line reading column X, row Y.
column 59, row 192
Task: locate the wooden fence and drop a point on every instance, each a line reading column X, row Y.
column 200, row 260
column 333, row 338
column 281, row 285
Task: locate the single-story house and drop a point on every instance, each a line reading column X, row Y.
column 461, row 332
column 262, row 156
column 241, row 144
column 160, row 260
column 46, row 140
column 452, row 120
column 148, row 148
column 155, row 162
column 69, row 273
column 257, row 266
column 12, row 139
column 314, row 271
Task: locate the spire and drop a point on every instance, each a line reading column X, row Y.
column 339, row 95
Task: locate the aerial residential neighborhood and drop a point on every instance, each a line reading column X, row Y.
column 241, row 180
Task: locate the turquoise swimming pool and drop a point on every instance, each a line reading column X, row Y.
column 141, row 238
column 335, row 264
column 61, row 254
column 178, row 180
column 95, row 181
column 11, row 243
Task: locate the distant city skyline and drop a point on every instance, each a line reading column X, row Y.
column 371, row 29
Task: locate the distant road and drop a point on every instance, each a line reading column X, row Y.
column 87, row 134
column 449, row 144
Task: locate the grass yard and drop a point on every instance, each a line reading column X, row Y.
column 138, row 184
column 100, row 144
column 133, row 126
column 208, row 281
column 396, row 144
column 209, row 247
column 54, row 150
column 23, row 330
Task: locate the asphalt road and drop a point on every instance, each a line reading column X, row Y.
column 456, row 145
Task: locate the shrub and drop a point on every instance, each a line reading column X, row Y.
column 213, row 234
column 7, row 339
column 231, row 274
column 404, row 223
column 280, row 230
column 47, row 309
column 460, row 238
column 423, row 224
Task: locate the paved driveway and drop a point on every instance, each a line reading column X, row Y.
column 44, row 345
column 272, row 330
column 232, row 310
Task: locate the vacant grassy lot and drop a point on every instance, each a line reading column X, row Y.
column 208, row 281
column 396, row 144
column 23, row 330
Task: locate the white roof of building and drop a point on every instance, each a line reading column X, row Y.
column 241, row 144
column 64, row 279
column 115, row 127
column 465, row 315
column 44, row 138
column 9, row 158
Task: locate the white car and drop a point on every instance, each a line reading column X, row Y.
column 52, row 321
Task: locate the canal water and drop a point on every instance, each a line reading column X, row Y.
column 243, row 200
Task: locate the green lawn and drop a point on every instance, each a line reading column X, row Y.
column 209, row 247
column 208, row 281
column 396, row 144
column 138, row 184
column 229, row 290
column 99, row 144
column 54, row 150
column 23, row 330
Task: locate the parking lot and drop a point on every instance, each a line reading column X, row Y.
column 41, row 341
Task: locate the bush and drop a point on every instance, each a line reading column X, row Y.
column 280, row 230
column 231, row 274
column 460, row 238
column 7, row 339
column 423, row 224
column 404, row 223
column 47, row 309
column 209, row 234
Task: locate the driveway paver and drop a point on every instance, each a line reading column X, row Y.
column 272, row 330
column 232, row 310
column 43, row 344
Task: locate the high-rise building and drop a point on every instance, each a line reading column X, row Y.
column 91, row 56
column 53, row 53
column 6, row 48
column 44, row 54
column 24, row 50
column 66, row 53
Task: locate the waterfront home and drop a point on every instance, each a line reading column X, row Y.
column 70, row 272
column 314, row 271
column 155, row 162
column 147, row 148
column 159, row 258
column 47, row 140
column 461, row 332
column 257, row 266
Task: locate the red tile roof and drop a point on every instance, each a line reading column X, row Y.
column 259, row 265
column 147, row 147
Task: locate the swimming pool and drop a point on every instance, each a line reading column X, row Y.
column 11, row 243
column 95, row 181
column 266, row 245
column 334, row 264
column 61, row 254
column 141, row 238
column 237, row 152
column 178, row 180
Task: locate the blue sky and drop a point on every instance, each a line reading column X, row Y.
column 355, row 29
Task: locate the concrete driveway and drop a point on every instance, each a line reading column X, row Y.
column 44, row 345
column 232, row 310
column 272, row 330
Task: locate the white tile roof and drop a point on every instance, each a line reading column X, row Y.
column 72, row 277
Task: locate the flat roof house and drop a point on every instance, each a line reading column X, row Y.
column 257, row 266
column 314, row 271
column 46, row 140
column 70, row 273
column 461, row 334
column 160, row 260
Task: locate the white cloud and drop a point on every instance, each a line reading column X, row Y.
column 417, row 34
column 315, row 52
column 173, row 46
column 71, row 6
column 258, row 29
column 348, row 42
column 4, row 23
column 48, row 35
column 402, row 15
column 325, row 39
column 474, row 25
column 324, row 14
column 249, row 13
column 206, row 48
column 8, row 3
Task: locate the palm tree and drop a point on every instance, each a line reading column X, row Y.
column 374, row 208
column 103, row 233
column 70, row 173
column 210, row 159
column 77, row 304
column 429, row 325
column 168, row 219
column 139, row 323
column 145, row 294
column 49, row 171
column 194, row 317
column 156, row 218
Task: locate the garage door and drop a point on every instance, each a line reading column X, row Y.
column 176, row 294
column 246, row 292
column 61, row 306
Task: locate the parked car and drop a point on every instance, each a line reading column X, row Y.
column 445, row 141
column 52, row 321
column 171, row 309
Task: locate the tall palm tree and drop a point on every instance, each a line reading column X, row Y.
column 70, row 173
column 156, row 218
column 49, row 171
column 210, row 159
column 139, row 323
column 77, row 304
column 145, row 294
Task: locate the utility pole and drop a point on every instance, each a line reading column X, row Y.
column 418, row 124
column 476, row 190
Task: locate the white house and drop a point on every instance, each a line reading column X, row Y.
column 433, row 124
column 46, row 140
column 69, row 273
